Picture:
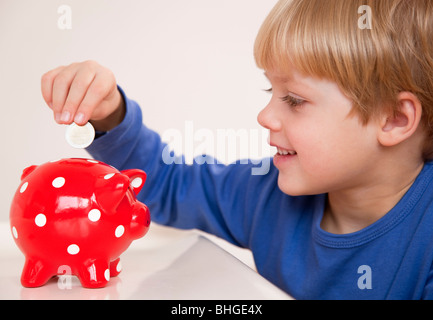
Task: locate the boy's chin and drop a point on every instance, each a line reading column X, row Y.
column 294, row 188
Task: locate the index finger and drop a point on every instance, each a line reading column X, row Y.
column 47, row 81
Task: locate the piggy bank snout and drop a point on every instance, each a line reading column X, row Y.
column 140, row 220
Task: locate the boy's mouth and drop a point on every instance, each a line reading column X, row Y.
column 284, row 152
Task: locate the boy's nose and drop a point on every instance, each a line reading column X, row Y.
column 268, row 119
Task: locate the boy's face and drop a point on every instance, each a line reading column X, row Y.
column 329, row 148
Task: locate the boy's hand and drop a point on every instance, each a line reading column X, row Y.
column 83, row 92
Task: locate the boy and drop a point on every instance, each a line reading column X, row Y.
column 346, row 210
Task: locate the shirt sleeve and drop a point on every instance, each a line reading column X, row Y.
column 220, row 199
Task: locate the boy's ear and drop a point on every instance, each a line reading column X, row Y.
column 399, row 126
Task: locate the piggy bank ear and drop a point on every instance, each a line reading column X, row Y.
column 27, row 171
column 137, row 179
column 110, row 190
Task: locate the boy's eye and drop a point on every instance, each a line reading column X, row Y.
column 290, row 100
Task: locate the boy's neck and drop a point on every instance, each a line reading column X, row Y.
column 351, row 210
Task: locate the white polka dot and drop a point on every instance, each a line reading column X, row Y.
column 15, row 232
column 119, row 267
column 107, row 275
column 58, row 182
column 119, row 231
column 40, row 220
column 94, row 215
column 136, row 183
column 24, row 187
column 109, row 176
column 73, row 249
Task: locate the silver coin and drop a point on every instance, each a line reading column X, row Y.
column 80, row 137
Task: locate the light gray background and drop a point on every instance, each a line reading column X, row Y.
column 180, row 59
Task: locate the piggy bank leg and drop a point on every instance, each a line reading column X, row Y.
column 36, row 273
column 115, row 267
column 94, row 274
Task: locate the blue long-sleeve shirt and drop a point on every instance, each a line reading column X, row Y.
column 391, row 259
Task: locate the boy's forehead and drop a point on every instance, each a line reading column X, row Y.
column 293, row 78
column 283, row 77
column 290, row 76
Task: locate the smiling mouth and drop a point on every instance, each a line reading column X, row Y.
column 284, row 152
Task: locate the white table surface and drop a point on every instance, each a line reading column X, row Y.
column 165, row 264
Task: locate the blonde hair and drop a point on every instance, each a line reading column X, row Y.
column 323, row 38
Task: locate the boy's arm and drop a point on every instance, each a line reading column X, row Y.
column 428, row 288
column 223, row 200
column 219, row 199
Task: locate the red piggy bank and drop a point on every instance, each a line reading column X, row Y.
column 76, row 215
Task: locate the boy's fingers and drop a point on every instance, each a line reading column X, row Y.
column 97, row 92
column 77, row 92
column 61, row 87
column 47, row 84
